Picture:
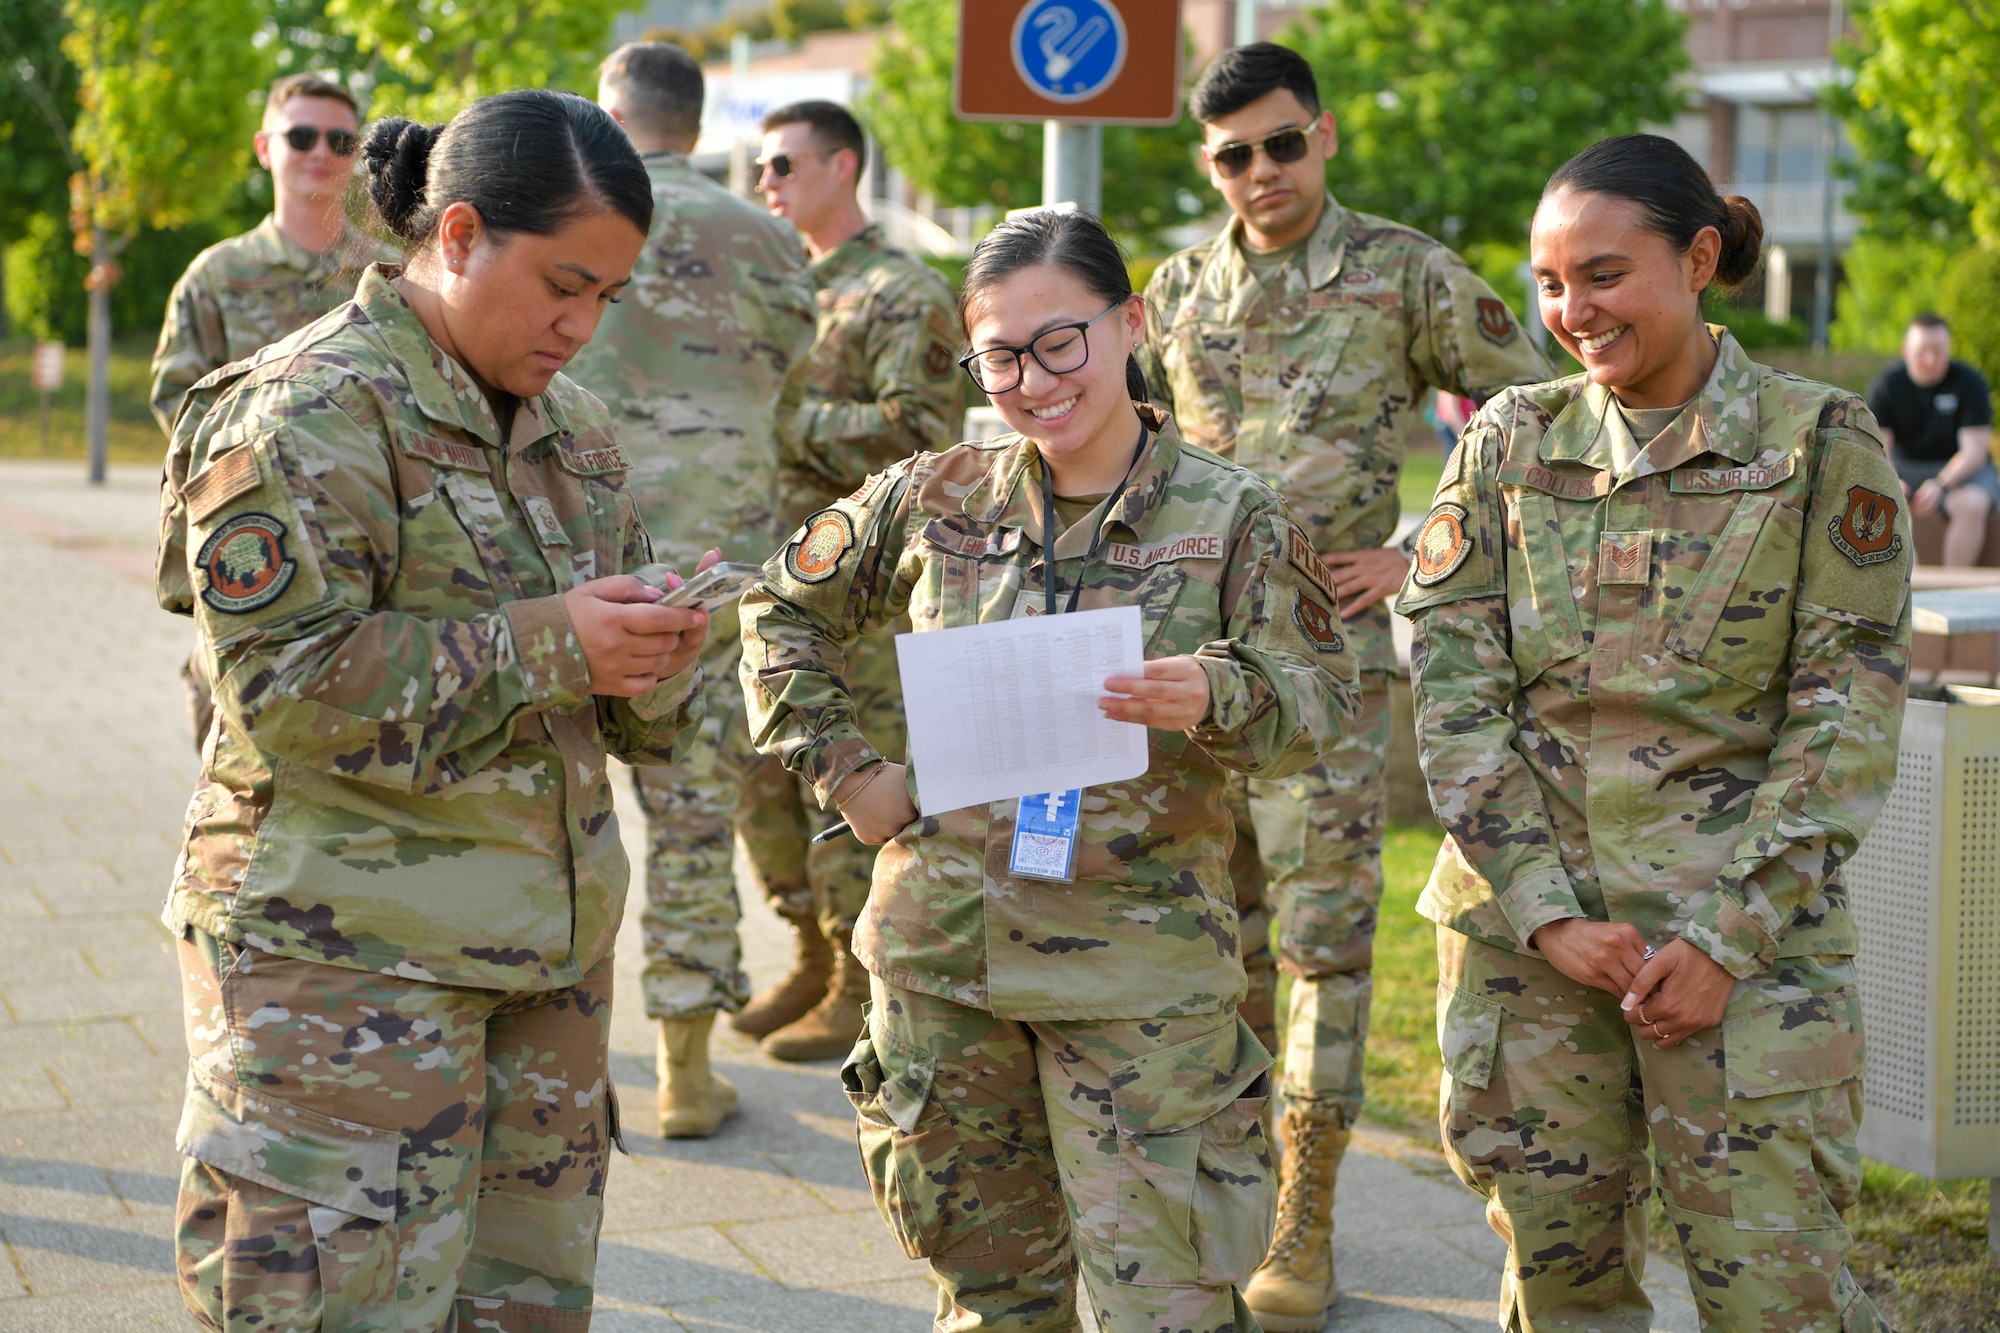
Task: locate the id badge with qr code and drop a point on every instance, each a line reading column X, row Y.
column 1045, row 836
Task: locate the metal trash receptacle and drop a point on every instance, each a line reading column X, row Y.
column 1925, row 888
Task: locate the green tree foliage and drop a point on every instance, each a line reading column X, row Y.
column 1454, row 113
column 435, row 56
column 1150, row 173
column 37, row 106
column 1888, row 279
column 1969, row 298
column 1930, row 64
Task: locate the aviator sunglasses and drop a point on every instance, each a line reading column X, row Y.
column 782, row 165
column 1284, row 147
column 342, row 143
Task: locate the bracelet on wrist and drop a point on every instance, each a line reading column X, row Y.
column 880, row 767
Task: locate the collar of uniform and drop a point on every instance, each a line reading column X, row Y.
column 1230, row 280
column 849, row 251
column 1725, row 419
column 444, row 390
column 1010, row 497
column 279, row 248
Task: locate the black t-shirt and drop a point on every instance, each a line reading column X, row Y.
column 1924, row 421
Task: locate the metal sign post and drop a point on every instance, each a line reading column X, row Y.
column 1076, row 66
column 46, row 372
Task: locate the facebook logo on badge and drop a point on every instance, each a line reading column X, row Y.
column 1069, row 50
column 1045, row 835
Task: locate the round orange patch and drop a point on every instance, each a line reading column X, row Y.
column 816, row 554
column 1441, row 545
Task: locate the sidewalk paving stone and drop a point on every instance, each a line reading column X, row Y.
column 768, row 1226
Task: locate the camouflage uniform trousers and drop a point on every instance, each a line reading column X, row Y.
column 1013, row 1155
column 1309, row 850
column 1545, row 1109
column 828, row 880
column 371, row 1152
column 694, row 954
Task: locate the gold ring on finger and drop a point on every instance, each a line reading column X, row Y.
column 1659, row 1033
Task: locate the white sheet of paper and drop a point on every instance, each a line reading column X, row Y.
column 1009, row 708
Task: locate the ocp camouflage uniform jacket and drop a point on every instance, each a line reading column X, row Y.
column 699, row 360
column 408, row 770
column 246, row 293
column 1316, row 382
column 882, row 378
column 1669, row 697
column 1208, row 554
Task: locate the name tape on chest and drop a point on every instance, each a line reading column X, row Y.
column 1442, row 546
column 226, row 477
column 1625, row 558
column 1866, row 532
column 1306, row 560
column 1193, row 546
column 245, row 564
column 445, row 453
column 1569, row 486
column 1719, row 480
column 597, row 462
column 825, row 538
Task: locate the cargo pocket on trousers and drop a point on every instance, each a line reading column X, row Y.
column 345, row 1173
column 1468, row 1035
column 911, row 1153
column 1195, row 1192
column 1793, row 1070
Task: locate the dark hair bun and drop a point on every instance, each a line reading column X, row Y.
column 398, row 156
column 1742, row 232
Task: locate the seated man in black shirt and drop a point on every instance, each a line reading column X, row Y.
column 1937, row 417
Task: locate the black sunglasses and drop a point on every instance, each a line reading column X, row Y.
column 1282, row 146
column 1058, row 350
column 342, row 143
column 782, row 165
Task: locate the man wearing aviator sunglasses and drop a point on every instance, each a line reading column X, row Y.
column 299, row 263
column 1301, row 342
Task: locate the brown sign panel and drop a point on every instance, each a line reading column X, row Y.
column 1112, row 62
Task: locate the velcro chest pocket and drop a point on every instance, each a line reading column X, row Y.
column 1545, row 625
column 1738, row 615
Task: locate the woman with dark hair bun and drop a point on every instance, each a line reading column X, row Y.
column 405, row 540
column 1054, row 1079
column 1662, row 638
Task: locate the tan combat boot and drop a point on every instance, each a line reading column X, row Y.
column 1290, row 1293
column 828, row 1031
column 797, row 991
column 694, row 1099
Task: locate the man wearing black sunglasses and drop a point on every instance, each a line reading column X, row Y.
column 1301, row 342
column 296, row 265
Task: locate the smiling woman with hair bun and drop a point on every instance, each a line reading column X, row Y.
column 1662, row 642
column 405, row 539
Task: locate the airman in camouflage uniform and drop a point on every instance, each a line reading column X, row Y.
column 881, row 383
column 697, row 363
column 401, row 880
column 1665, row 693
column 1310, row 369
column 1054, row 1076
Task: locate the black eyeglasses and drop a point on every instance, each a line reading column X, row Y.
column 1281, row 146
column 341, row 143
column 782, row 165
column 1059, row 351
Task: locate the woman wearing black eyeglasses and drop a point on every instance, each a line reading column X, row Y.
column 1054, row 1079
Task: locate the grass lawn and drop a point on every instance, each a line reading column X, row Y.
column 1920, row 1244
column 135, row 437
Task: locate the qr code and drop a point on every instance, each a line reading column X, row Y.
column 1040, row 854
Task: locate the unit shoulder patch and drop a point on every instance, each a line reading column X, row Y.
column 1496, row 322
column 226, row 477
column 245, row 564
column 938, row 361
column 823, row 540
column 1319, row 625
column 1442, row 546
column 1865, row 532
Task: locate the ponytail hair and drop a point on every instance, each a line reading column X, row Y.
column 1675, row 197
column 1072, row 240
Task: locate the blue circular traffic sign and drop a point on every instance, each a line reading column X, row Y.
column 1069, row 50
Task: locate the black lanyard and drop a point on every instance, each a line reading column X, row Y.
column 1049, row 531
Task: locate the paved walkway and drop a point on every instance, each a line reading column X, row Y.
column 766, row 1227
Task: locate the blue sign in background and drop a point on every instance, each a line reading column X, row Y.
column 1069, row 50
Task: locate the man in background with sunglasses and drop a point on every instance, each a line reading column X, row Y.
column 1301, row 343
column 880, row 383
column 297, row 264
column 300, row 262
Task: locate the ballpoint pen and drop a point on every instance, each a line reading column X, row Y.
column 828, row 835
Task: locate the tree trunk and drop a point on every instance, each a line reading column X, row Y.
column 97, row 398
